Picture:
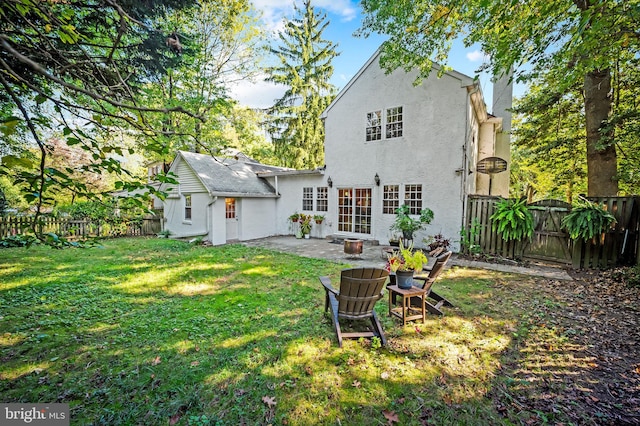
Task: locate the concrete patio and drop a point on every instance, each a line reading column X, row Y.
column 372, row 255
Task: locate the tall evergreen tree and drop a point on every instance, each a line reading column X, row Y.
column 305, row 68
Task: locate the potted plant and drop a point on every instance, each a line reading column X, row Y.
column 294, row 217
column 305, row 224
column 408, row 225
column 318, row 218
column 587, row 220
column 512, row 219
column 404, row 263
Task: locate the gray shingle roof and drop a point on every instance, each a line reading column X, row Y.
column 229, row 176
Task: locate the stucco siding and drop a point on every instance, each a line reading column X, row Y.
column 290, row 201
column 257, row 218
column 178, row 225
column 430, row 152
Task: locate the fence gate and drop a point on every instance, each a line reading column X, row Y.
column 549, row 242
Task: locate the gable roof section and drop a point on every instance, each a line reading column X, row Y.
column 465, row 80
column 227, row 177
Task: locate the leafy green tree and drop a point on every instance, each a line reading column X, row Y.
column 305, row 69
column 548, row 133
column 582, row 40
column 244, row 132
column 76, row 68
column 625, row 123
column 221, row 44
column 546, row 143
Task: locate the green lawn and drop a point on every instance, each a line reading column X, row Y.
column 157, row 332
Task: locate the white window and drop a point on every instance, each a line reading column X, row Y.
column 187, row 207
column 307, row 199
column 322, row 199
column 390, row 199
column 394, row 123
column 413, row 198
column 374, row 126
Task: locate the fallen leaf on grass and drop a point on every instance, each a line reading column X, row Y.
column 391, row 417
column 174, row 419
column 269, row 400
column 156, row 361
column 356, row 384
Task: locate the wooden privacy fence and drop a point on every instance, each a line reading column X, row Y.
column 550, row 242
column 80, row 228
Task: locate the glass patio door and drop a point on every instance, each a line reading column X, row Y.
column 354, row 210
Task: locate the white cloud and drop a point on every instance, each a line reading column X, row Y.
column 342, row 8
column 258, row 94
column 477, row 56
column 274, row 11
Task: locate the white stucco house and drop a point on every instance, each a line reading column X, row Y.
column 387, row 143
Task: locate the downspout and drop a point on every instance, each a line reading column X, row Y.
column 465, row 165
column 210, row 217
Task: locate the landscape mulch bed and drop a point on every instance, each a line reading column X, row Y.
column 580, row 363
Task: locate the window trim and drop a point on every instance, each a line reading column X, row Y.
column 307, row 198
column 370, row 136
column 384, row 130
column 188, row 207
column 390, row 203
column 398, row 124
column 322, row 199
column 414, row 203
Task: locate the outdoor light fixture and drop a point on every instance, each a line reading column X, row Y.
column 329, row 182
column 377, row 179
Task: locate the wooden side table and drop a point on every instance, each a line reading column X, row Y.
column 405, row 311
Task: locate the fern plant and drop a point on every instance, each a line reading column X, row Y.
column 587, row 220
column 512, row 219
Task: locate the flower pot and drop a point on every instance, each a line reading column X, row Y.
column 404, row 279
column 352, row 246
column 306, row 236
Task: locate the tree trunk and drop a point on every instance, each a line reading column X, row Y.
column 601, row 152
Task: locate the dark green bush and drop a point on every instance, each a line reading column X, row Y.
column 26, row 240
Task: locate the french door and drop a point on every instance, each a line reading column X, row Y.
column 354, row 210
